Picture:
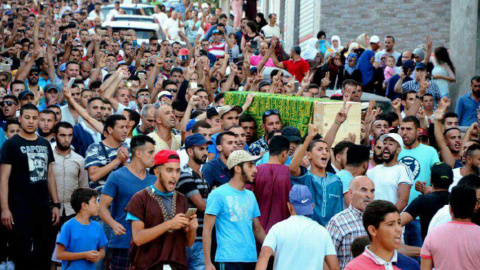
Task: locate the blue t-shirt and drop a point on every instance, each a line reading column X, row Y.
column 121, row 186
column 327, row 194
column 346, row 177
column 77, row 237
column 419, row 160
column 467, row 110
column 234, row 211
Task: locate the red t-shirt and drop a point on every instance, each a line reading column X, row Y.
column 272, row 186
column 297, row 68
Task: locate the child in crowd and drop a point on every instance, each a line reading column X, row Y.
column 82, row 241
column 390, row 68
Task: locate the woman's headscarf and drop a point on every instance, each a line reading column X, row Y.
column 348, row 68
column 353, row 46
column 339, row 48
column 383, row 60
column 361, row 41
column 310, row 52
column 365, row 66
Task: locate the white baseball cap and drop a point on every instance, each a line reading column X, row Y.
column 396, row 137
column 374, row 39
column 239, row 156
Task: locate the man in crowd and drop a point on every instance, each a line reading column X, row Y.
column 121, row 185
column 357, row 164
column 234, row 211
column 468, row 104
column 347, row 225
column 270, row 121
column 216, row 172
column 164, row 136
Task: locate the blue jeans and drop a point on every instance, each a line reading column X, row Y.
column 413, row 234
column 101, row 264
column 195, row 258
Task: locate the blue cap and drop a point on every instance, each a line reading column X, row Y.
column 215, row 32
column 196, row 139
column 8, row 12
column 63, row 67
column 420, row 66
column 409, row 64
column 190, row 124
column 25, row 93
column 301, row 199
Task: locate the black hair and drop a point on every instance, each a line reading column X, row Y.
column 320, row 34
column 177, row 70
column 375, row 213
column 426, row 95
column 449, row 115
column 17, row 82
column 223, row 16
column 47, row 111
column 412, row 119
column 11, row 122
column 200, row 124
column 274, row 72
column 358, row 155
column 470, row 150
column 271, row 134
column 391, row 117
column 14, row 98
column 80, row 196
column 359, row 244
column 62, row 125
column 93, row 99
column 139, row 141
column 405, row 95
column 471, row 181
column 312, row 85
column 442, row 57
column 313, row 142
column 111, row 121
column 449, row 129
column 219, row 97
column 178, row 105
column 246, row 118
column 340, row 147
column 278, row 144
column 393, row 39
column 221, row 135
column 168, row 82
column 349, row 82
column 133, row 116
column 28, row 106
column 70, row 63
column 475, row 78
column 462, row 202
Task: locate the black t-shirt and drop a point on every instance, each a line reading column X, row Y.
column 27, row 185
column 426, row 206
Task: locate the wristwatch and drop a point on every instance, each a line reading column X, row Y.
column 57, row 205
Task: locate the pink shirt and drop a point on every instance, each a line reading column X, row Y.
column 256, row 59
column 387, row 73
column 454, row 245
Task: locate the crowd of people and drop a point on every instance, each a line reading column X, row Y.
column 117, row 154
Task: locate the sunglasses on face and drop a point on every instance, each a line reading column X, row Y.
column 34, row 74
column 171, row 90
column 168, row 61
column 271, row 112
column 8, row 103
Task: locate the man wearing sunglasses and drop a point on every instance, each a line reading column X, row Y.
column 9, row 109
column 271, row 120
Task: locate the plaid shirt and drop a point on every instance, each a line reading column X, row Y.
column 344, row 227
column 415, row 86
column 258, row 147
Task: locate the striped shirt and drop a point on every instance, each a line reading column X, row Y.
column 344, row 227
column 415, row 86
column 218, row 49
column 192, row 183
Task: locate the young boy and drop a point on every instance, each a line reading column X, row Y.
column 12, row 128
column 82, row 241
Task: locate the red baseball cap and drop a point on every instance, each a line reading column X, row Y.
column 165, row 156
column 183, row 51
column 422, row 132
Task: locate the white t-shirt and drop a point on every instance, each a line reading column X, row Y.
column 112, row 13
column 171, row 26
column 93, row 14
column 269, row 31
column 387, row 180
column 161, row 17
column 441, row 217
column 456, row 177
column 379, row 54
column 295, row 240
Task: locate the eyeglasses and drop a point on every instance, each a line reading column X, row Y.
column 171, row 90
column 271, row 112
column 168, row 61
column 8, row 103
column 34, row 74
column 41, row 38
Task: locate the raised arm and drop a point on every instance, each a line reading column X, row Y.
column 298, row 157
column 445, row 152
column 339, row 120
column 97, row 125
column 277, row 63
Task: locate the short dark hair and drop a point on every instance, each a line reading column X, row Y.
column 475, row 78
column 340, row 147
column 139, row 141
column 219, row 96
column 223, row 134
column 246, row 118
column 412, row 119
column 47, row 111
column 375, row 213
column 133, row 116
column 449, row 115
column 71, row 63
column 111, row 121
column 393, row 39
column 470, row 150
column 357, row 155
column 405, row 95
column 82, row 195
column 278, row 144
column 391, row 117
column 426, row 95
column 200, row 124
column 223, row 16
column 359, row 244
column 93, row 99
column 271, row 134
column 28, row 106
column 313, row 142
column 178, row 105
column 471, row 181
column 320, row 34
column 11, row 122
column 62, row 125
column 12, row 97
column 462, row 202
column 349, row 82
column 177, row 70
